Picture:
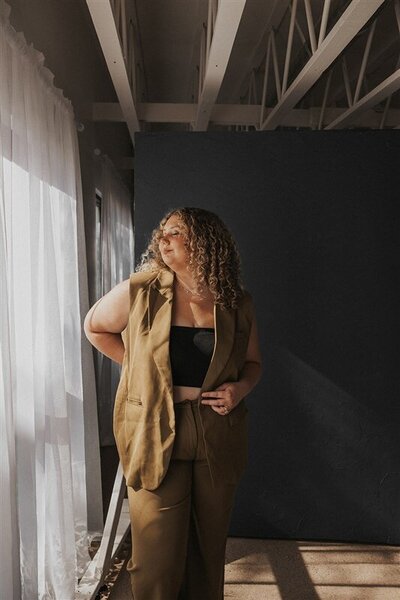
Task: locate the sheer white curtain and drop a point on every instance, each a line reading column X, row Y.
column 117, row 262
column 42, row 487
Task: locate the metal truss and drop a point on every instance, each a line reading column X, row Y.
column 383, row 91
column 315, row 50
column 325, row 51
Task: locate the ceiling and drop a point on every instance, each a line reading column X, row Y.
column 198, row 65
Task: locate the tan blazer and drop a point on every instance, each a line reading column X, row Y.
column 144, row 418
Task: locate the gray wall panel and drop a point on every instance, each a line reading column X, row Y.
column 316, row 218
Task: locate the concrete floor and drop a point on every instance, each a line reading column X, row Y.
column 295, row 570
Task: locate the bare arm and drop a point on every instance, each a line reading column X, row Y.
column 106, row 319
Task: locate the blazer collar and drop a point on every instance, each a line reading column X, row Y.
column 164, row 283
column 159, row 313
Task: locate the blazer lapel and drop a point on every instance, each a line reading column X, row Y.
column 159, row 311
column 224, row 337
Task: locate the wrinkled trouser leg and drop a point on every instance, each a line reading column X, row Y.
column 209, row 524
column 179, row 530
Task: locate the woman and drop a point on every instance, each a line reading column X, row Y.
column 185, row 332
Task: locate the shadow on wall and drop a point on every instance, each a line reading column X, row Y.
column 340, row 485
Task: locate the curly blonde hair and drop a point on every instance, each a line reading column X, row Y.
column 214, row 260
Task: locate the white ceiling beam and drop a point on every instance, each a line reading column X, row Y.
column 306, row 44
column 348, row 25
column 364, row 62
column 225, row 29
column 265, row 80
column 346, row 81
column 390, row 85
column 310, row 25
column 324, row 101
column 167, row 113
column 104, row 23
column 240, row 114
column 310, row 117
column 289, row 45
column 276, row 66
column 324, row 21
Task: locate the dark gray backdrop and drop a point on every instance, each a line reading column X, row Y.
column 315, row 215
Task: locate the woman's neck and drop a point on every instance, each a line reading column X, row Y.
column 188, row 286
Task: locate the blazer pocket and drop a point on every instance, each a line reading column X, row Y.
column 134, row 400
column 134, row 412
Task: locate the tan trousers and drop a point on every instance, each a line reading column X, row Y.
column 179, row 530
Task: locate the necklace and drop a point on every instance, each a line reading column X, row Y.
column 189, row 291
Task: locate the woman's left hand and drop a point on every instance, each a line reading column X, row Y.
column 224, row 398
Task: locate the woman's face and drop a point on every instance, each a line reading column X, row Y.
column 172, row 244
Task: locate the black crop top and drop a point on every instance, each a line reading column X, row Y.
column 190, row 350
